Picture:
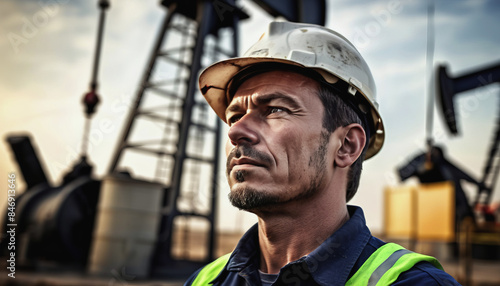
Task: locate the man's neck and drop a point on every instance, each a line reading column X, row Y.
column 286, row 237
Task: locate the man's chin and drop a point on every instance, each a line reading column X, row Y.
column 250, row 199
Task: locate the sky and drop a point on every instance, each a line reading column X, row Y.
column 46, row 51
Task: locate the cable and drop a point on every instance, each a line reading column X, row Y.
column 429, row 73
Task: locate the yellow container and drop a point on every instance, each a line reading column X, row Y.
column 436, row 211
column 399, row 211
column 423, row 212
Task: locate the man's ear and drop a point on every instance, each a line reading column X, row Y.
column 353, row 142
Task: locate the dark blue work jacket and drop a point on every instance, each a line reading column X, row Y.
column 332, row 263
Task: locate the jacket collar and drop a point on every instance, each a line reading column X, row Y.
column 329, row 264
column 333, row 260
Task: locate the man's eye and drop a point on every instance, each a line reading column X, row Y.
column 276, row 109
column 233, row 119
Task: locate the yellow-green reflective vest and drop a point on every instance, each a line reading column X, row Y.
column 381, row 268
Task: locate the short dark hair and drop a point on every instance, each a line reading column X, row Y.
column 338, row 113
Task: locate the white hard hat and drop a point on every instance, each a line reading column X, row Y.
column 308, row 46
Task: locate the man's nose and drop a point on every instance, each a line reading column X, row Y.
column 244, row 131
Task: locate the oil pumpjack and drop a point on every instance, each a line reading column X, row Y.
column 433, row 165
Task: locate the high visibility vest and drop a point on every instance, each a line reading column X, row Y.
column 381, row 268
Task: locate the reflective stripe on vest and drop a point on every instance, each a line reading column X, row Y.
column 383, row 267
column 210, row 272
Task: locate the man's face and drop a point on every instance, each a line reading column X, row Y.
column 278, row 150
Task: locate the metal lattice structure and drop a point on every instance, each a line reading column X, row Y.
column 170, row 136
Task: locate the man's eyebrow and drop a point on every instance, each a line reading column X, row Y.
column 266, row 99
column 232, row 108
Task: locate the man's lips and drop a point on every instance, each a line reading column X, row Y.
column 244, row 161
column 244, row 154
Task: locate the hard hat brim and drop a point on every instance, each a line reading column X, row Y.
column 214, row 80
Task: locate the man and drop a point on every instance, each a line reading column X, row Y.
column 302, row 114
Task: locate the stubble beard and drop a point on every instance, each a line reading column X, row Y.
column 252, row 199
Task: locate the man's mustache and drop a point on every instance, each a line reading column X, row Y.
column 247, row 151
